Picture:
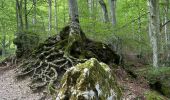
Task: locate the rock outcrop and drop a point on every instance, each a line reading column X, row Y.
column 91, row 80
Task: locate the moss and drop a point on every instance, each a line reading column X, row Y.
column 152, row 95
column 88, row 80
column 158, row 78
column 166, row 87
column 25, row 42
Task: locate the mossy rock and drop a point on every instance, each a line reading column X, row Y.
column 25, row 42
column 91, row 80
column 152, row 95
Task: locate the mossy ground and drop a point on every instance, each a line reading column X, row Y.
column 158, row 78
column 153, row 95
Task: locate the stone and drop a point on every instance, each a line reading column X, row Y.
column 92, row 80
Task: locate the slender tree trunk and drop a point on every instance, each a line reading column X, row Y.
column 104, row 9
column 64, row 13
column 167, row 31
column 154, row 28
column 49, row 17
column 166, row 19
column 3, row 42
column 34, row 20
column 20, row 19
column 20, row 14
column 56, row 22
column 17, row 16
column 113, row 11
column 26, row 17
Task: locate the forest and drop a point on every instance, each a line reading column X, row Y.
column 84, row 50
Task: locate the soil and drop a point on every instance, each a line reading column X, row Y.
column 11, row 89
column 132, row 88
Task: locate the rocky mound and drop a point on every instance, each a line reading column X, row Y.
column 91, row 80
column 50, row 60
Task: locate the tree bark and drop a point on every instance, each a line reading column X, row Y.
column 154, row 28
column 105, row 12
column 73, row 10
column 17, row 16
column 26, row 16
column 49, row 17
column 166, row 31
column 166, row 19
column 56, row 22
column 113, row 11
column 20, row 19
column 34, row 20
column 3, row 41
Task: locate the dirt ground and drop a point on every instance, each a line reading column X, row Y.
column 11, row 89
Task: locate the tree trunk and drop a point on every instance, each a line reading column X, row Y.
column 56, row 22
column 104, row 9
column 20, row 19
column 75, row 34
column 166, row 31
column 73, row 10
column 166, row 19
column 154, row 28
column 26, row 16
column 64, row 13
column 3, row 41
column 49, row 17
column 34, row 20
column 17, row 16
column 113, row 11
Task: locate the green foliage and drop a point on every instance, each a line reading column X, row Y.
column 91, row 23
column 154, row 74
column 26, row 42
column 158, row 78
column 152, row 95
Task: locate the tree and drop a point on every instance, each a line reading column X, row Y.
column 34, row 19
column 73, row 11
column 154, row 28
column 113, row 11
column 19, row 14
column 26, row 15
column 74, row 34
column 166, row 12
column 49, row 17
column 105, row 12
column 56, row 22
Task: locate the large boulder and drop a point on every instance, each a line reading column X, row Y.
column 91, row 80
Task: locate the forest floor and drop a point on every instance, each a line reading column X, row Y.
column 11, row 89
column 132, row 88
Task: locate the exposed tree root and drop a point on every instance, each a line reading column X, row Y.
column 52, row 58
